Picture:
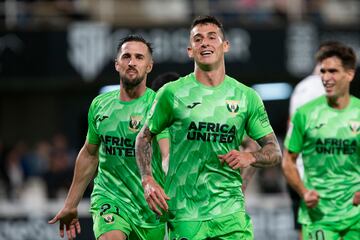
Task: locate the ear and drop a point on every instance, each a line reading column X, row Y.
column 351, row 74
column 149, row 67
column 190, row 52
column 226, row 45
column 116, row 64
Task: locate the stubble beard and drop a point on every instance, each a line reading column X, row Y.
column 131, row 83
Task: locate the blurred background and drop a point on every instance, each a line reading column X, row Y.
column 57, row 55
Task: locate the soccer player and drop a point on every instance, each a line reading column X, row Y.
column 306, row 90
column 118, row 207
column 207, row 113
column 326, row 132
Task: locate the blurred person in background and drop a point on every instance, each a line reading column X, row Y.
column 208, row 113
column 306, row 90
column 118, row 207
column 163, row 79
column 326, row 131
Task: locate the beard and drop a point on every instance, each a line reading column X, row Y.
column 131, row 83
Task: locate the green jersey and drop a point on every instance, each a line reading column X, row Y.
column 114, row 125
column 329, row 140
column 203, row 123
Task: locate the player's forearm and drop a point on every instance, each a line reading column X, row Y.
column 85, row 168
column 246, row 175
column 269, row 154
column 291, row 173
column 143, row 151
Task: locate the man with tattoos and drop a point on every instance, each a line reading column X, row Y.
column 208, row 113
column 118, row 206
column 326, row 131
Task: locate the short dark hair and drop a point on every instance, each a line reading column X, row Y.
column 134, row 38
column 337, row 49
column 162, row 79
column 208, row 20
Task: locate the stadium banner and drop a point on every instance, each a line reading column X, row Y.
column 84, row 53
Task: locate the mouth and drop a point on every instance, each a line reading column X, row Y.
column 206, row 53
column 328, row 86
column 131, row 71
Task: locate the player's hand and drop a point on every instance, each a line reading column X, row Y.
column 69, row 219
column 154, row 195
column 236, row 159
column 356, row 199
column 311, row 198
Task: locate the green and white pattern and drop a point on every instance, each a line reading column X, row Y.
column 114, row 125
column 329, row 140
column 205, row 122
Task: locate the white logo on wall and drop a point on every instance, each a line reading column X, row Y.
column 92, row 45
column 90, row 48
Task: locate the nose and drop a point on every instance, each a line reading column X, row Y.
column 204, row 42
column 325, row 76
column 132, row 61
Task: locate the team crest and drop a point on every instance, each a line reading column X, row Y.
column 108, row 218
column 134, row 123
column 354, row 127
column 232, row 106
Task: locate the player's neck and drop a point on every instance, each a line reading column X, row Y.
column 129, row 94
column 210, row 78
column 339, row 102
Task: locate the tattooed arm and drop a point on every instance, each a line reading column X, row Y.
column 268, row 155
column 154, row 194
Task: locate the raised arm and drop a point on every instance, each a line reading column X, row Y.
column 85, row 168
column 154, row 194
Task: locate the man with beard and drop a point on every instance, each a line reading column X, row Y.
column 118, row 207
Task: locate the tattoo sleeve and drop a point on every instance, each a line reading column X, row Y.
column 143, row 151
column 269, row 154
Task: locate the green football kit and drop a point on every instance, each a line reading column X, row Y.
column 205, row 122
column 118, row 195
column 329, row 140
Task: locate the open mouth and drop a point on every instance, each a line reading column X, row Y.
column 206, row 53
column 329, row 86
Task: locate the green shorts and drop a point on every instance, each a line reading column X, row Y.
column 236, row 226
column 106, row 215
column 348, row 229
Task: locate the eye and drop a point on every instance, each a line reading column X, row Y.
column 125, row 56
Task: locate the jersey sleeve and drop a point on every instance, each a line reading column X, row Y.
column 258, row 124
column 161, row 113
column 294, row 136
column 92, row 133
column 163, row 134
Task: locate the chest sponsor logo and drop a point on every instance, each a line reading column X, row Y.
column 354, row 127
column 211, row 132
column 134, row 123
column 232, row 106
column 336, row 146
